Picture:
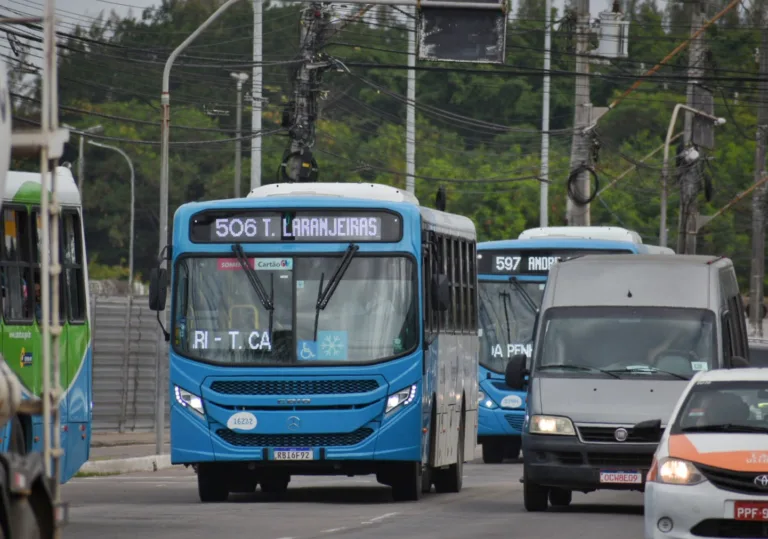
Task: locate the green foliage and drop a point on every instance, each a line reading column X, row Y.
column 116, row 72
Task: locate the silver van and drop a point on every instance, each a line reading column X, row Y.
column 617, row 339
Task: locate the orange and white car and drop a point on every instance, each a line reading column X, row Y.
column 709, row 476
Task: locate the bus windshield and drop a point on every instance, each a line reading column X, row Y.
column 627, row 341
column 220, row 318
column 506, row 319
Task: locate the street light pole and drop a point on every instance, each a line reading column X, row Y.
column 240, row 78
column 81, row 152
column 165, row 127
column 665, row 166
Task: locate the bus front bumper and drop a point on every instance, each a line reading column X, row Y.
column 499, row 422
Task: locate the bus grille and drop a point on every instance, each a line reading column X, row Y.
column 293, row 387
column 294, row 440
column 515, row 421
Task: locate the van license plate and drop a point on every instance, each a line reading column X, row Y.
column 621, row 478
column 293, row 453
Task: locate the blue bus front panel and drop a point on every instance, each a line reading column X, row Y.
column 325, row 414
column 497, row 419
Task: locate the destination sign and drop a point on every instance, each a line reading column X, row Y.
column 531, row 262
column 249, row 226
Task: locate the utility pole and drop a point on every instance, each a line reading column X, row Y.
column 689, row 179
column 410, row 131
column 758, row 198
column 298, row 163
column 577, row 214
column 240, row 78
column 544, row 185
column 256, row 94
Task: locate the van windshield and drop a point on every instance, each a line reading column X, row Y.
column 627, row 342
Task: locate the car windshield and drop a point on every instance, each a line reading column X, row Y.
column 724, row 407
column 219, row 317
column 627, row 341
column 506, row 319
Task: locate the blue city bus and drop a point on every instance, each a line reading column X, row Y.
column 321, row 329
column 512, row 277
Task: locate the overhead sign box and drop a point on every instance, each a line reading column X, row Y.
column 471, row 31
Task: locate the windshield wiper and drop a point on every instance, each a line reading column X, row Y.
column 504, row 298
column 253, row 278
column 726, row 427
column 575, row 368
column 525, row 295
column 324, row 295
column 651, row 370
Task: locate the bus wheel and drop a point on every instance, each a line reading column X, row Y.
column 559, row 497
column 513, row 448
column 17, row 443
column 535, row 496
column 211, row 485
column 493, row 452
column 407, row 487
column 452, row 479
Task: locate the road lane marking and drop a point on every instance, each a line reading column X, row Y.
column 379, row 518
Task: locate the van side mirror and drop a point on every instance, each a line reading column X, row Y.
column 441, row 293
column 738, row 362
column 648, row 430
column 158, row 289
column 514, row 376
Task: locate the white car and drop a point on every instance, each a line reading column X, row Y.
column 709, row 476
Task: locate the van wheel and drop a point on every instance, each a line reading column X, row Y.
column 211, row 486
column 534, row 495
column 493, row 452
column 559, row 497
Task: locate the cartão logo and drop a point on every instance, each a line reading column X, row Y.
column 274, row 264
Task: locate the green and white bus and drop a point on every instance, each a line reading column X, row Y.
column 20, row 334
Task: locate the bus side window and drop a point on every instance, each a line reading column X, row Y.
column 72, row 260
column 17, row 278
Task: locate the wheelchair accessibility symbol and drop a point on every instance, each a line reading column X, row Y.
column 307, row 350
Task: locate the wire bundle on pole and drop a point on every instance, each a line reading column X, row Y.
column 573, row 192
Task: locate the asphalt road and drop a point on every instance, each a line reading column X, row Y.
column 164, row 504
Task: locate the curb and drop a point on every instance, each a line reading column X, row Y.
column 151, row 463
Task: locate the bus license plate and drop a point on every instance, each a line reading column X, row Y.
column 293, row 453
column 621, row 478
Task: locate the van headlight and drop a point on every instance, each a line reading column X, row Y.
column 189, row 400
column 551, row 424
column 404, row 397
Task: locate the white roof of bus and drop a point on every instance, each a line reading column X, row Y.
column 66, row 188
column 612, row 233
column 369, row 191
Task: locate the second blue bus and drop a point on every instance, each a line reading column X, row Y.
column 512, row 277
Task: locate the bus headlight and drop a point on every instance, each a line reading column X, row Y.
column 550, row 424
column 404, row 397
column 189, row 400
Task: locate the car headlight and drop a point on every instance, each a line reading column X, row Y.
column 189, row 400
column 404, row 397
column 550, row 424
column 678, row 472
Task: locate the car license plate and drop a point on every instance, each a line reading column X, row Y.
column 293, row 453
column 750, row 510
column 621, row 478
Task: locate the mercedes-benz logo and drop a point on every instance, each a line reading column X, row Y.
column 762, row 481
column 621, row 434
column 294, row 422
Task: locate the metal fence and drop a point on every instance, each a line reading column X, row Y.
column 125, row 355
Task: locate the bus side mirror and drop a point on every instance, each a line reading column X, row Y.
column 738, row 362
column 158, row 289
column 441, row 293
column 514, row 376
